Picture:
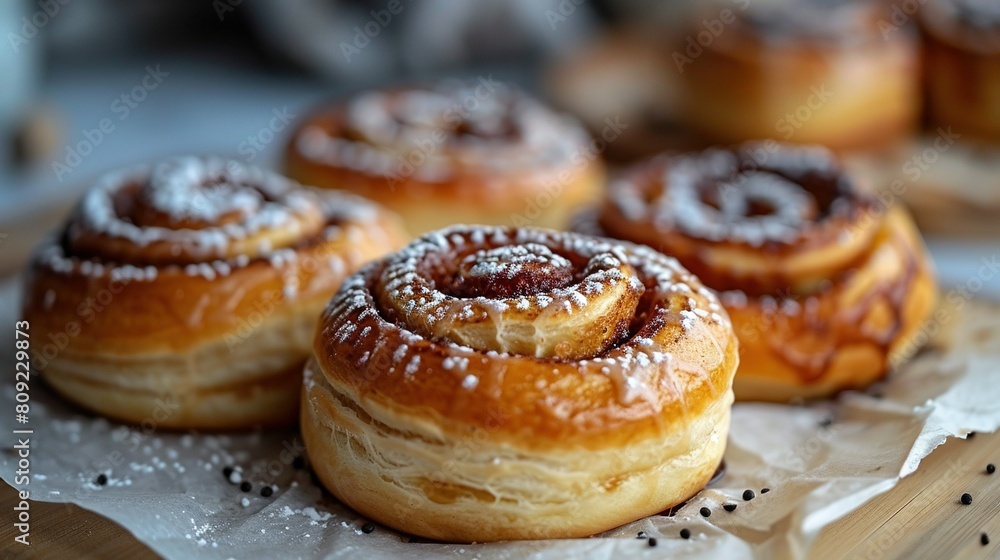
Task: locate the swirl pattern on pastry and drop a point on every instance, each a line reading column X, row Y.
column 580, row 372
column 457, row 152
column 196, row 282
column 822, row 283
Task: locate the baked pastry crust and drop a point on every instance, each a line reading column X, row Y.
column 596, row 420
column 828, row 73
column 454, row 153
column 962, row 59
column 186, row 294
column 826, row 287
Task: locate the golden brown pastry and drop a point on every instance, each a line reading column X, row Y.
column 963, row 66
column 187, row 295
column 807, row 71
column 826, row 288
column 459, row 152
column 492, row 383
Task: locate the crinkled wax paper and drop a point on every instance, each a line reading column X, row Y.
column 169, row 491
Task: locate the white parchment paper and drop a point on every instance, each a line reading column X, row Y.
column 821, row 461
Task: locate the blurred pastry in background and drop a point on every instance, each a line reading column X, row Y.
column 187, row 293
column 827, row 288
column 962, row 39
column 458, row 152
column 950, row 177
column 806, row 71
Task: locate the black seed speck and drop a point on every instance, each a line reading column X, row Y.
column 102, row 479
column 991, row 468
column 266, row 491
column 705, row 512
column 985, row 539
column 765, row 490
column 367, row 528
column 685, row 534
column 227, row 472
column 298, row 463
column 971, row 435
column 826, row 422
column 652, row 541
column 748, row 495
column 640, row 535
column 729, row 507
column 246, row 486
column 967, row 499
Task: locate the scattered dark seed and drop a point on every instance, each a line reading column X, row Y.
column 298, row 463
column 729, row 507
column 685, row 534
column 748, row 495
column 705, row 512
column 826, row 422
column 266, row 491
column 246, row 486
column 765, row 490
column 985, row 539
column 227, row 472
column 641, row 535
column 102, row 479
column 652, row 541
column 367, row 528
column 967, row 499
column 971, row 435
column 991, row 468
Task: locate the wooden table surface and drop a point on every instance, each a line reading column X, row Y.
column 920, row 518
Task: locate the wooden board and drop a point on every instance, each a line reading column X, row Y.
column 921, row 518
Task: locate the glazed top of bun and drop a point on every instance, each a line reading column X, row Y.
column 444, row 130
column 759, row 218
column 577, row 340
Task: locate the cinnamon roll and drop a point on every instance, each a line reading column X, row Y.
column 186, row 295
column 491, row 383
column 803, row 71
column 963, row 66
column 825, row 286
column 455, row 153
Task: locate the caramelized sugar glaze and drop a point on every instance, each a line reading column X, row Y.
column 457, row 152
column 823, row 284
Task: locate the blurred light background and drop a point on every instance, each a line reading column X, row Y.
column 93, row 85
